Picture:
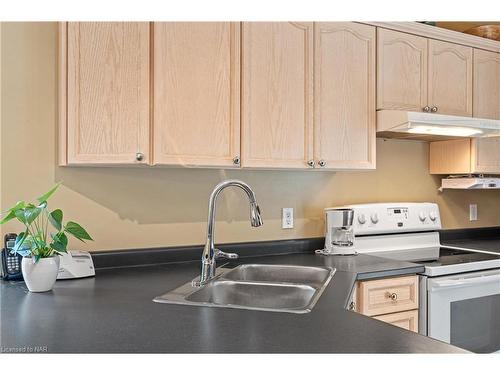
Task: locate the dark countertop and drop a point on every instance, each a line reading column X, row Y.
column 114, row 312
column 481, row 239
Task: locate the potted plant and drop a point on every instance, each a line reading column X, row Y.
column 38, row 244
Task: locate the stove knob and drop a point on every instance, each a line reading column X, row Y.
column 432, row 216
column 361, row 218
column 422, row 216
column 374, row 218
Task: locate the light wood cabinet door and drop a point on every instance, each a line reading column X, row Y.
column 196, row 80
column 485, row 154
column 107, row 98
column 401, row 71
column 486, row 93
column 277, row 97
column 450, row 78
column 384, row 296
column 407, row 320
column 344, row 95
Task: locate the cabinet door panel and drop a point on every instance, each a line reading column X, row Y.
column 486, row 84
column 277, row 94
column 486, row 155
column 196, row 93
column 450, row 78
column 407, row 320
column 107, row 92
column 401, row 71
column 344, row 123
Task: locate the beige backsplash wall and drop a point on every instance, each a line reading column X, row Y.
column 151, row 207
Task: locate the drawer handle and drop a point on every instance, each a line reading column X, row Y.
column 393, row 296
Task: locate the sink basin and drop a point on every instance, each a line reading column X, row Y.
column 313, row 276
column 255, row 295
column 283, row 288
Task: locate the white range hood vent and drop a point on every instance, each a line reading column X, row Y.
column 431, row 126
column 470, row 183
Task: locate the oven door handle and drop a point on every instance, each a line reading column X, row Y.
column 447, row 284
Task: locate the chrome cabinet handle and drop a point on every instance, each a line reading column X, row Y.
column 139, row 156
column 426, row 109
column 352, row 306
column 434, row 109
column 322, row 163
column 310, row 163
column 393, row 296
column 236, row 160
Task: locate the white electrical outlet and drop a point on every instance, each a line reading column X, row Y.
column 287, row 218
column 472, row 212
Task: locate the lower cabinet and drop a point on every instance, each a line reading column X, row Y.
column 407, row 319
column 392, row 300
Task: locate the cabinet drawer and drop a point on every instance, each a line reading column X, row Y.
column 384, row 296
column 406, row 319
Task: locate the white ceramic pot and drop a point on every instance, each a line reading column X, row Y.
column 40, row 276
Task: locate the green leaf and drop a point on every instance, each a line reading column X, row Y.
column 37, row 258
column 28, row 214
column 59, row 247
column 10, row 215
column 77, row 231
column 60, row 242
column 47, row 195
column 20, row 240
column 11, row 212
column 55, row 218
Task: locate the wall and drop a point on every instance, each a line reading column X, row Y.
column 139, row 207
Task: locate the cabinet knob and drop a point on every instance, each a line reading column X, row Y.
column 352, row 306
column 393, row 296
column 236, row 160
column 139, row 156
column 426, row 109
column 322, row 163
column 310, row 163
column 434, row 109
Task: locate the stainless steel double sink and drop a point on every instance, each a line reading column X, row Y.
column 269, row 287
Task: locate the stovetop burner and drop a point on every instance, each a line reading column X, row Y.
column 448, row 256
column 444, row 260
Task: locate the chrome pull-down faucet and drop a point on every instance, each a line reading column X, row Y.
column 210, row 253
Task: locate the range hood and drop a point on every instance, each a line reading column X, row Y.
column 432, row 126
column 470, row 183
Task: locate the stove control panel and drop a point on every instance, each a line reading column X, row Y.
column 379, row 218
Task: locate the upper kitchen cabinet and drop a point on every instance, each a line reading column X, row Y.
column 450, row 78
column 196, row 90
column 415, row 73
column 465, row 156
column 486, row 93
column 401, row 71
column 344, row 95
column 104, row 93
column 277, row 94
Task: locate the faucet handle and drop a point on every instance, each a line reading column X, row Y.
column 222, row 254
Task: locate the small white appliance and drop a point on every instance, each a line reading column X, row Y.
column 459, row 289
column 76, row 264
column 339, row 234
column 470, row 183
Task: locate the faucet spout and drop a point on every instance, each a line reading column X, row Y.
column 210, row 253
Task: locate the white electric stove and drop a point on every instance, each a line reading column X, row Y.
column 459, row 289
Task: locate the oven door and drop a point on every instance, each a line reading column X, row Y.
column 464, row 310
